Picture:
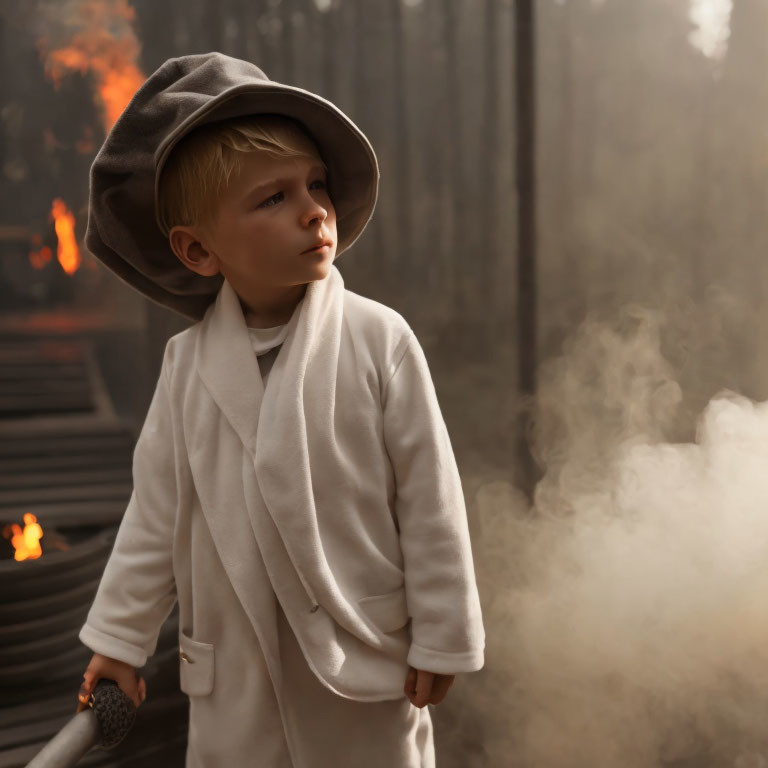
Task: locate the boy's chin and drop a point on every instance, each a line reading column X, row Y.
column 321, row 268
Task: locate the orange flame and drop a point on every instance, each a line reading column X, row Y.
column 68, row 252
column 102, row 43
column 97, row 38
column 26, row 542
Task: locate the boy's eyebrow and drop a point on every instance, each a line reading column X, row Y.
column 269, row 183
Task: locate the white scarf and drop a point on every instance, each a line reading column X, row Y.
column 273, row 429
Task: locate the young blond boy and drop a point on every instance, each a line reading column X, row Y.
column 294, row 483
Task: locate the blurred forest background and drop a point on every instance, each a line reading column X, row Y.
column 651, row 150
column 651, row 166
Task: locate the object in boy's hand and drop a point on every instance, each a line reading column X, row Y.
column 109, row 716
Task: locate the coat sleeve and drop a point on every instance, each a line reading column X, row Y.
column 137, row 589
column 447, row 634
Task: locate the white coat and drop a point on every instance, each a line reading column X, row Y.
column 334, row 489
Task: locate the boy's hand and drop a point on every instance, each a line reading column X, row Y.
column 123, row 674
column 423, row 687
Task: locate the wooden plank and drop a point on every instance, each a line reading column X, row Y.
column 17, row 405
column 47, row 387
column 82, row 476
column 15, row 498
column 19, row 632
column 46, row 463
column 94, row 512
column 39, row 369
column 525, row 164
column 37, row 445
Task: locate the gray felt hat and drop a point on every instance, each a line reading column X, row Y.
column 123, row 228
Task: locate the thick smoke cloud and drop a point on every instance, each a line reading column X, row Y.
column 628, row 624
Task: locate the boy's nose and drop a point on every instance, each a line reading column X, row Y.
column 315, row 213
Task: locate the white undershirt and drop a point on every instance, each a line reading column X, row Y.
column 264, row 339
column 266, row 343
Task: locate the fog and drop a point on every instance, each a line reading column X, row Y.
column 626, row 606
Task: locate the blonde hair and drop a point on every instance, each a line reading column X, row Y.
column 201, row 165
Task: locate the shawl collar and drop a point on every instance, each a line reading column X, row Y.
column 228, row 366
column 272, row 423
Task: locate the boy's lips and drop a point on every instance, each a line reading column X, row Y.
column 319, row 244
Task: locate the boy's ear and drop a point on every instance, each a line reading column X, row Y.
column 185, row 242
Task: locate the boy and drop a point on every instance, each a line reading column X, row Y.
column 294, row 484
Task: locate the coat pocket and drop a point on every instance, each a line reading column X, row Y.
column 196, row 666
column 389, row 612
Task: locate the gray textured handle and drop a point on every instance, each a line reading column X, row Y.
column 104, row 724
column 70, row 743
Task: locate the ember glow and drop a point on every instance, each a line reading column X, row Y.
column 25, row 541
column 39, row 258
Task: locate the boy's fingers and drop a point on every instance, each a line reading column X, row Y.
column 440, row 687
column 84, row 693
column 129, row 685
column 410, row 682
column 136, row 690
column 423, row 688
column 126, row 677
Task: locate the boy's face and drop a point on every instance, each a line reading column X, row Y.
column 273, row 210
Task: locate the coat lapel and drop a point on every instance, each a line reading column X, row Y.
column 228, row 366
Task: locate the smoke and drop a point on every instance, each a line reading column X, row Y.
column 712, row 20
column 626, row 613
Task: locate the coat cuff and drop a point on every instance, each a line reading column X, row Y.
column 114, row 647
column 445, row 663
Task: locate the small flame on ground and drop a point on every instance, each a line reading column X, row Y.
column 26, row 542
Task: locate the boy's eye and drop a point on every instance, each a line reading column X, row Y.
column 268, row 201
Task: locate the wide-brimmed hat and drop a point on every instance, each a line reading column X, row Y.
column 123, row 228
